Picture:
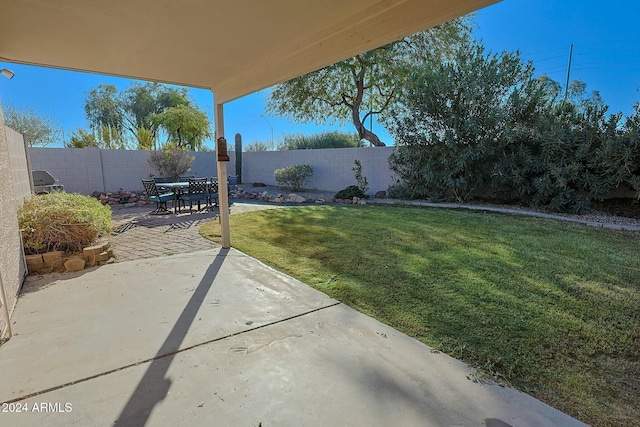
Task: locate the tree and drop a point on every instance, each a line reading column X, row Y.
column 319, row 140
column 260, row 146
column 104, row 137
column 39, row 129
column 366, row 85
column 134, row 113
column 186, row 127
column 81, row 138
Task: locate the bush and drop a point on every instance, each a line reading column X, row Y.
column 62, row 221
column 350, row 192
column 362, row 181
column 481, row 126
column 259, row 146
column 171, row 161
column 294, row 177
column 320, row 140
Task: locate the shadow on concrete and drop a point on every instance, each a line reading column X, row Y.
column 173, row 222
column 154, row 386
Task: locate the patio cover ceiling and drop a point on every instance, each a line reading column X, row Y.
column 232, row 47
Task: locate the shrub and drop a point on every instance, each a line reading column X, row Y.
column 350, row 192
column 320, row 140
column 294, row 177
column 509, row 136
column 171, row 161
column 363, row 184
column 62, row 221
column 260, row 146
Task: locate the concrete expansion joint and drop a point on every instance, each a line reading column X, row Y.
column 164, row 355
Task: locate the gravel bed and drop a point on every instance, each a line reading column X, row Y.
column 275, row 190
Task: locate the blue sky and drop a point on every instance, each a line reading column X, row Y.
column 606, row 56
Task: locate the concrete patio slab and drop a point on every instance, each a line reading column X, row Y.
column 82, row 325
column 217, row 338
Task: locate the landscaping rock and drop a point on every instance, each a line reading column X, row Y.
column 129, row 205
column 259, row 184
column 34, row 262
column 74, row 263
column 380, row 195
column 52, row 257
column 295, row 198
column 91, row 253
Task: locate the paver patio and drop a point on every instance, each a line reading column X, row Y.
column 136, row 234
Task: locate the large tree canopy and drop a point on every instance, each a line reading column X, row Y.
column 366, row 85
column 140, row 112
column 38, row 129
column 185, row 126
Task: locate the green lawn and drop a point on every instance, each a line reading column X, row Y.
column 551, row 308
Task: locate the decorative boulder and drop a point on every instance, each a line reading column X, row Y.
column 295, row 198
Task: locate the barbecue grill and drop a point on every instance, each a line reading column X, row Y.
column 44, row 183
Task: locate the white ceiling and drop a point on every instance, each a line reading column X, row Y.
column 233, row 47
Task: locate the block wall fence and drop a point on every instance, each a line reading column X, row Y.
column 85, row 170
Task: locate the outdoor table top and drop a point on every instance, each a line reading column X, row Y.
column 173, row 184
column 182, row 184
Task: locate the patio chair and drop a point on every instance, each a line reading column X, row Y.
column 185, row 178
column 154, row 195
column 161, row 180
column 213, row 192
column 198, row 191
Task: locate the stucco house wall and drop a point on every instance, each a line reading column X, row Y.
column 14, row 188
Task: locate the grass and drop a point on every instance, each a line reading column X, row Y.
column 551, row 308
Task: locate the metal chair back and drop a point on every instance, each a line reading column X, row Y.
column 213, row 187
column 150, row 187
column 198, row 186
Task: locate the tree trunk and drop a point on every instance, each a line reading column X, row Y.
column 363, row 132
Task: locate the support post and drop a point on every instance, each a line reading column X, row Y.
column 223, row 193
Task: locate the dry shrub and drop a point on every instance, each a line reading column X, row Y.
column 61, row 221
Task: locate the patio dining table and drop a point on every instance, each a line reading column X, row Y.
column 178, row 188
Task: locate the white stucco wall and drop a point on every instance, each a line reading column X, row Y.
column 14, row 187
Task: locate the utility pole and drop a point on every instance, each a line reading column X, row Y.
column 566, row 86
column 269, row 124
